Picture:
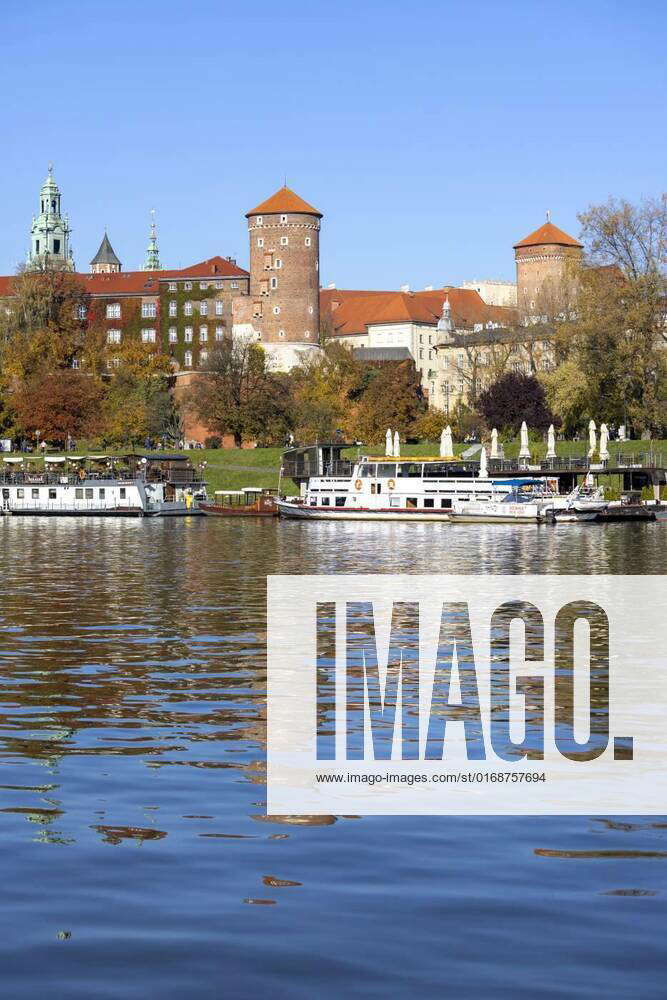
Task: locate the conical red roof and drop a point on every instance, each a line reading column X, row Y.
column 284, row 200
column 548, row 233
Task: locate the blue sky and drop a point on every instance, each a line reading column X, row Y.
column 431, row 135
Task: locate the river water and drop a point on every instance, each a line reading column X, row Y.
column 137, row 858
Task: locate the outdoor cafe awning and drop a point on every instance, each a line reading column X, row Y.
column 55, row 459
column 12, row 461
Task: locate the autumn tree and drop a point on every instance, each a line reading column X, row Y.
column 513, row 399
column 237, row 393
column 326, row 390
column 59, row 404
column 393, row 399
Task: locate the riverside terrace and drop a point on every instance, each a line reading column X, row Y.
column 72, row 469
column 635, row 470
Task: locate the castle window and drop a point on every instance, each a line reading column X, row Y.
column 284, row 241
column 274, row 282
column 203, row 334
column 235, row 284
column 148, row 310
column 187, row 308
column 307, row 334
column 188, row 335
column 148, row 336
column 81, row 312
column 187, row 359
column 203, row 356
column 113, row 310
column 276, row 310
column 173, row 286
column 310, row 310
column 36, row 246
column 260, row 241
column 307, row 241
column 56, row 246
column 188, row 286
column 173, row 335
column 218, row 284
column 203, row 308
column 75, row 363
column 277, row 263
column 219, row 333
column 219, row 307
column 283, row 219
column 172, row 308
column 113, row 336
column 281, row 333
column 259, row 220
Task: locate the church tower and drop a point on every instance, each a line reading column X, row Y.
column 284, row 235
column 50, row 232
column 105, row 260
column 152, row 261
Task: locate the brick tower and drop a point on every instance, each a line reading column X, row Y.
column 285, row 269
column 543, row 263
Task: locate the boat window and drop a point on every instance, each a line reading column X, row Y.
column 78, row 493
column 429, row 502
column 5, row 494
column 376, row 487
column 101, row 493
column 35, row 494
column 411, row 502
column 89, row 493
column 366, row 471
column 19, row 494
column 446, row 503
column 436, row 470
column 410, row 469
column 394, row 501
column 53, row 494
column 340, row 501
column 325, row 501
column 387, row 470
column 122, row 492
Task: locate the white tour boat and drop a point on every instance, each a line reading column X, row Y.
column 151, row 485
column 387, row 489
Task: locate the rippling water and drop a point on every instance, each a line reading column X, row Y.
column 137, row 858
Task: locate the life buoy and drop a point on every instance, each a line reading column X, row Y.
column 391, row 485
column 358, row 484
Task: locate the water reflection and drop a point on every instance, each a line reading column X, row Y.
column 132, row 725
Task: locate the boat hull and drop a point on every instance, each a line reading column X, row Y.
column 307, row 513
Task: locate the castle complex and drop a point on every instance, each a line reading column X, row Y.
column 459, row 338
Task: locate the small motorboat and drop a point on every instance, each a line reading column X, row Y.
column 515, row 508
column 584, row 503
column 630, row 507
column 249, row 502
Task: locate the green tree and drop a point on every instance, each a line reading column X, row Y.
column 237, row 393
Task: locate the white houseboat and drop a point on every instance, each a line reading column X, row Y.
column 388, row 489
column 152, row 485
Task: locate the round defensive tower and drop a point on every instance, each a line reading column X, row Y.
column 284, row 236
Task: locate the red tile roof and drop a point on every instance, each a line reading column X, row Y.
column 548, row 234
column 353, row 311
column 284, row 200
column 148, row 282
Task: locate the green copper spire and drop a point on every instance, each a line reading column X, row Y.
column 50, row 232
column 152, row 262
